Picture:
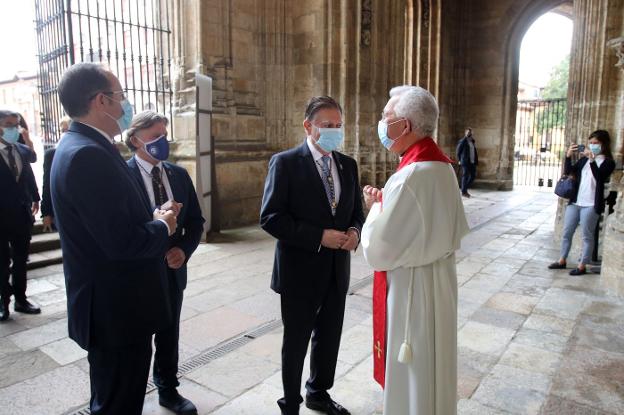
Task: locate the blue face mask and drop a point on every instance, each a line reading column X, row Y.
column 382, row 132
column 10, row 134
column 595, row 148
column 158, row 148
column 125, row 120
column 330, row 138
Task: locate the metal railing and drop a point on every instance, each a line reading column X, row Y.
column 131, row 37
column 539, row 149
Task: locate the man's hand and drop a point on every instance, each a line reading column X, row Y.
column 352, row 241
column 172, row 205
column 35, row 208
column 169, row 217
column 175, row 258
column 371, row 195
column 48, row 221
column 333, row 239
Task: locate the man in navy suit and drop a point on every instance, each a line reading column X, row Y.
column 312, row 206
column 20, row 202
column 113, row 242
column 468, row 159
column 162, row 182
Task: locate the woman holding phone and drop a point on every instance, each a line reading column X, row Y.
column 592, row 171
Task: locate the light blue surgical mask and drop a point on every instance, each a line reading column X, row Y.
column 158, row 148
column 595, row 148
column 124, row 121
column 10, row 134
column 330, row 138
column 382, row 132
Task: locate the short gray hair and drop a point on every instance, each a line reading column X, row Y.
column 141, row 121
column 418, row 106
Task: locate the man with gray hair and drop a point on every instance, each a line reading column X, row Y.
column 410, row 236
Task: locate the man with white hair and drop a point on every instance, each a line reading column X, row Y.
column 414, row 227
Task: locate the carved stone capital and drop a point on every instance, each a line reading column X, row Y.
column 618, row 45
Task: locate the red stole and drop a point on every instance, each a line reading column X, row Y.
column 423, row 150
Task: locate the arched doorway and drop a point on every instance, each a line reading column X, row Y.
column 522, row 21
column 539, row 138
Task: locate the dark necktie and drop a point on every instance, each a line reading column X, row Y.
column 328, row 183
column 12, row 163
column 160, row 195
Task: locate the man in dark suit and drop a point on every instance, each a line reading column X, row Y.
column 47, row 213
column 20, row 202
column 468, row 159
column 113, row 242
column 161, row 182
column 312, row 206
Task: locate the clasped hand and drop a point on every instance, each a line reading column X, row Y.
column 371, row 195
column 169, row 212
column 334, row 239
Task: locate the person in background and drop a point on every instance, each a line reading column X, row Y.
column 592, row 171
column 468, row 158
column 47, row 212
column 18, row 206
column 162, row 182
column 24, row 136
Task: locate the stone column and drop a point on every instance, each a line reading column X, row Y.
column 612, row 272
column 594, row 87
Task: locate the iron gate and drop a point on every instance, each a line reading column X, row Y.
column 131, row 37
column 539, row 149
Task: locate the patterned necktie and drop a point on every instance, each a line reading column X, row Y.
column 12, row 163
column 328, row 183
column 160, row 194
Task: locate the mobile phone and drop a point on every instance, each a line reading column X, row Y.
column 581, row 148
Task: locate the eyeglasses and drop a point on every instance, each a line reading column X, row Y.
column 327, row 124
column 107, row 93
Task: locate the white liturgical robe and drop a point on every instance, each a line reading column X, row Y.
column 417, row 232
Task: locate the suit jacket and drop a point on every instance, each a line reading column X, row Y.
column 18, row 196
column 46, row 201
column 463, row 152
column 190, row 220
column 113, row 251
column 295, row 211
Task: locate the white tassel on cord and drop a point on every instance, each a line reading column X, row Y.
column 405, row 353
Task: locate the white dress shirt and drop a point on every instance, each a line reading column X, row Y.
column 316, row 155
column 108, row 137
column 4, row 150
column 146, row 173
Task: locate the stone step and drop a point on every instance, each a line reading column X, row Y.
column 44, row 242
column 44, row 258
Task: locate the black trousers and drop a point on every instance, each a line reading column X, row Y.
column 119, row 378
column 469, row 172
column 166, row 342
column 15, row 234
column 321, row 318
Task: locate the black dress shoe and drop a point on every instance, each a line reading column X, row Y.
column 177, row 403
column 26, row 307
column 578, row 271
column 557, row 265
column 327, row 406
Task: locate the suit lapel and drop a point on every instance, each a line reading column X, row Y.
column 341, row 177
column 173, row 182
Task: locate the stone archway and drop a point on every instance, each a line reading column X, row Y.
column 520, row 20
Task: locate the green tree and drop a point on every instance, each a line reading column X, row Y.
column 554, row 115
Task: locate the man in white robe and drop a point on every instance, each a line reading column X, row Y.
column 414, row 227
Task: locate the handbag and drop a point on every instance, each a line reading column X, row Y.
column 566, row 187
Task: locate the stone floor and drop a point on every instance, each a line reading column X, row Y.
column 531, row 341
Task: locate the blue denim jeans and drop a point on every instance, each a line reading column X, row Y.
column 588, row 219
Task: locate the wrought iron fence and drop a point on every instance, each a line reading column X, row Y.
column 539, row 148
column 131, row 37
